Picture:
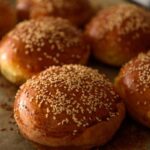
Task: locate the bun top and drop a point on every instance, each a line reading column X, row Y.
column 70, row 98
column 37, row 33
column 125, row 18
column 138, row 72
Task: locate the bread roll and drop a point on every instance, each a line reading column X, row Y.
column 71, row 107
column 119, row 33
column 37, row 44
column 133, row 85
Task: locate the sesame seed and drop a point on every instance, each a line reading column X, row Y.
column 38, row 49
column 15, row 50
column 57, row 55
column 47, row 110
column 54, row 118
column 26, row 52
column 28, row 66
column 40, row 59
column 145, row 102
column 46, row 115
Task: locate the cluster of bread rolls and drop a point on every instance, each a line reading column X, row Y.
column 63, row 104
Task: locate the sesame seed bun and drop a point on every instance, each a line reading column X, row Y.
column 68, row 106
column 7, row 17
column 77, row 11
column 37, row 44
column 119, row 33
column 133, row 85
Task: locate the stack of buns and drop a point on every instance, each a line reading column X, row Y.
column 63, row 104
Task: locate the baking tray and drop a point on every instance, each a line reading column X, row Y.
column 131, row 136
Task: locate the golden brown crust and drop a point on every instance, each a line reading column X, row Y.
column 68, row 106
column 133, row 85
column 119, row 33
column 37, row 44
column 77, row 11
column 7, row 17
column 23, row 9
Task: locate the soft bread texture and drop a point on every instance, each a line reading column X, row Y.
column 133, row 85
column 69, row 106
column 7, row 17
column 119, row 33
column 39, row 43
column 77, row 11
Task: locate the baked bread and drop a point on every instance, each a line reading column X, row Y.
column 7, row 17
column 23, row 9
column 119, row 33
column 77, row 11
column 37, row 44
column 133, row 85
column 68, row 106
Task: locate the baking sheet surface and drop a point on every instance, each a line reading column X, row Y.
column 131, row 136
